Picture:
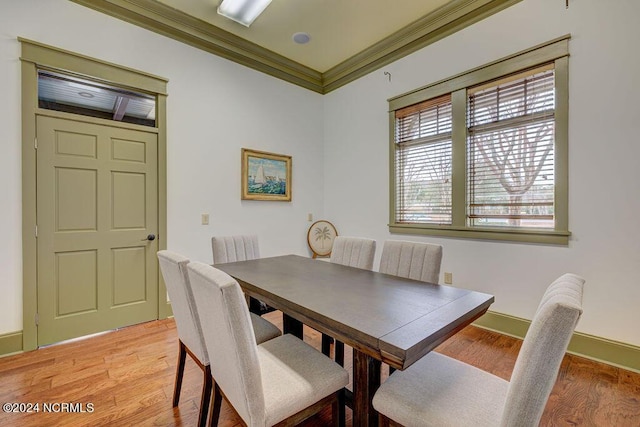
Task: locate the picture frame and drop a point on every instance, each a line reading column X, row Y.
column 266, row 176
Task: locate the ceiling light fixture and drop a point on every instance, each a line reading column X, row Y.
column 242, row 11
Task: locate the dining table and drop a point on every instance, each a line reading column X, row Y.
column 384, row 318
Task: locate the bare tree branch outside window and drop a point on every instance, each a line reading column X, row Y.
column 511, row 141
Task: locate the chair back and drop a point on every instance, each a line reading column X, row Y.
column 230, row 340
column 234, row 248
column 418, row 261
column 353, row 252
column 174, row 271
column 542, row 351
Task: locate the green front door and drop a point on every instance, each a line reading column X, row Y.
column 97, row 204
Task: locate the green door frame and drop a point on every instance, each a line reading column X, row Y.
column 35, row 55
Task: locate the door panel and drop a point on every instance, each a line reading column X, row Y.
column 132, row 151
column 76, row 144
column 128, row 200
column 76, row 285
column 96, row 204
column 129, row 271
column 76, row 193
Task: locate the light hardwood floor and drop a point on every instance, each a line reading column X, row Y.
column 127, row 376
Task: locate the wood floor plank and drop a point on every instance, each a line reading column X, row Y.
column 127, row 375
column 24, row 363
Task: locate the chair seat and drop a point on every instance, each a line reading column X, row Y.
column 263, row 329
column 295, row 376
column 440, row 391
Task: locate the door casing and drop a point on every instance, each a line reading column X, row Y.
column 37, row 55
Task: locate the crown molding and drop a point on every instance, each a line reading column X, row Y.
column 172, row 23
column 444, row 21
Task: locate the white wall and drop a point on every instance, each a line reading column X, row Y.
column 604, row 151
column 215, row 107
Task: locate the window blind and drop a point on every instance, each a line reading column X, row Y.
column 423, row 162
column 510, row 151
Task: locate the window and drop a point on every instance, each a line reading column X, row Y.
column 510, row 151
column 484, row 154
column 423, row 159
column 62, row 92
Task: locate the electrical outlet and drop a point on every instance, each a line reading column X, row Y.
column 205, row 219
column 448, row 278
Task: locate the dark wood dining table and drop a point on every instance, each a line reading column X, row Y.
column 385, row 318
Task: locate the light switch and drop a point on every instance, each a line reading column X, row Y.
column 205, row 219
column 310, row 217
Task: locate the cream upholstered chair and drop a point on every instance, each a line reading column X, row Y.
column 283, row 379
column 418, row 261
column 353, row 252
column 234, row 248
column 190, row 339
column 239, row 248
column 440, row 391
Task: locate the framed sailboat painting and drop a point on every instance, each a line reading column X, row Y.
column 265, row 176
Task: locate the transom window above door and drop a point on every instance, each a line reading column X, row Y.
column 71, row 94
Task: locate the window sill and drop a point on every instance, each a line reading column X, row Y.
column 528, row 236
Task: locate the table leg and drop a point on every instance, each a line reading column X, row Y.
column 366, row 380
column 326, row 345
column 291, row 326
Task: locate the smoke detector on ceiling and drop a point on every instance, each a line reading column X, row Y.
column 301, row 38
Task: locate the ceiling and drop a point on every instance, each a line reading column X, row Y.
column 349, row 38
column 339, row 29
